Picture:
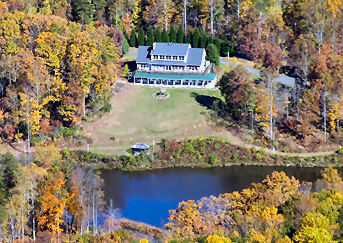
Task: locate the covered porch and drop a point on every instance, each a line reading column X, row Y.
column 178, row 81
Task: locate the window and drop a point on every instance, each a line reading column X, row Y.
column 161, row 57
column 181, row 58
column 168, row 57
column 174, row 57
column 155, row 56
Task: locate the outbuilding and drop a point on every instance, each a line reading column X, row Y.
column 139, row 148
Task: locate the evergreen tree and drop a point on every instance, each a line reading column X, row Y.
column 180, row 34
column 125, row 46
column 212, row 54
column 9, row 171
column 83, row 11
column 99, row 9
column 224, row 48
column 195, row 38
column 203, row 40
column 133, row 38
column 188, row 37
column 150, row 37
column 172, row 34
column 165, row 37
column 210, row 40
column 141, row 37
column 158, row 35
column 218, row 44
column 125, row 34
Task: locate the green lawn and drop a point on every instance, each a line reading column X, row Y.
column 140, row 117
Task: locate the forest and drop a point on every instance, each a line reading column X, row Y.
column 279, row 209
column 40, row 91
column 60, row 59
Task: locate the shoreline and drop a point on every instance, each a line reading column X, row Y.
column 202, row 153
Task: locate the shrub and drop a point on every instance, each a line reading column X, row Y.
column 213, row 159
column 106, row 108
column 235, row 157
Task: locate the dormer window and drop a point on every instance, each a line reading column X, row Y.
column 155, row 56
column 168, row 57
column 162, row 57
column 181, row 58
column 174, row 57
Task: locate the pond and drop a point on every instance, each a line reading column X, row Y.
column 147, row 196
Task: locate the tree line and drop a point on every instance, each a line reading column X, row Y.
column 51, row 70
column 48, row 194
column 278, row 209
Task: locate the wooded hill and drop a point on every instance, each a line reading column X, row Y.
column 51, row 69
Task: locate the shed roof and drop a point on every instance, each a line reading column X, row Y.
column 286, row 80
column 139, row 145
column 204, row 77
column 172, row 49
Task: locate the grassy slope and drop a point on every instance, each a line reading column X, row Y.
column 140, row 117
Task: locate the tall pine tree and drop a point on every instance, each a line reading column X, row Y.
column 203, row 40
column 218, row 44
column 150, row 37
column 172, row 34
column 133, row 38
column 83, row 11
column 141, row 37
column 180, row 34
column 158, row 35
column 165, row 37
column 125, row 34
column 224, row 48
column 210, row 40
column 212, row 54
column 189, row 37
column 196, row 38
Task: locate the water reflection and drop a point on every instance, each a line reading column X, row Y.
column 148, row 195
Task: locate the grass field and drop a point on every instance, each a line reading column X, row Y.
column 137, row 116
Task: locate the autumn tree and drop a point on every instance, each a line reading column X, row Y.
column 52, row 203
column 238, row 89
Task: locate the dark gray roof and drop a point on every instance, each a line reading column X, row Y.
column 172, row 49
column 140, row 146
column 142, row 55
column 195, row 56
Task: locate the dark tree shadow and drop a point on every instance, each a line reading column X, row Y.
column 210, row 102
column 131, row 65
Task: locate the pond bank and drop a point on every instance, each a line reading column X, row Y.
column 201, row 153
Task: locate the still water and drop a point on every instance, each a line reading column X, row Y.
column 147, row 196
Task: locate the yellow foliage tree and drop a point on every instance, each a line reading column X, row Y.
column 186, row 220
column 217, row 239
column 52, row 203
